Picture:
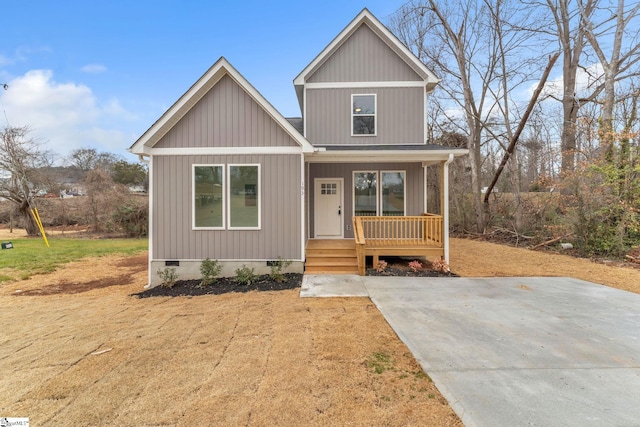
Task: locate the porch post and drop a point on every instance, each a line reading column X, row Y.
column 303, row 211
column 443, row 177
column 425, row 192
column 444, row 190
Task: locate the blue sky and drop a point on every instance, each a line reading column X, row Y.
column 87, row 74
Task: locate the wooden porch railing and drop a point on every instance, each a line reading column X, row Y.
column 397, row 235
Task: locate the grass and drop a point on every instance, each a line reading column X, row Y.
column 31, row 256
column 380, row 361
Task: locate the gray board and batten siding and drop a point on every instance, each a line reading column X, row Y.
column 226, row 117
column 414, row 187
column 280, row 198
column 400, row 116
column 364, row 57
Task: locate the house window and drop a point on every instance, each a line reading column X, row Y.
column 365, row 193
column 244, row 196
column 393, row 192
column 363, row 115
column 208, row 200
column 386, row 199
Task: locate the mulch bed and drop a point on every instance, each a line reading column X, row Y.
column 223, row 285
column 407, row 272
column 397, row 267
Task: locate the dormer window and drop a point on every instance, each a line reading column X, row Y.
column 363, row 115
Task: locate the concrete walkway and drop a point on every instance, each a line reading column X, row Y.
column 514, row 351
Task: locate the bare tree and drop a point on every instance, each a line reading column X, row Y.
column 84, row 159
column 23, row 165
column 478, row 51
column 570, row 32
column 514, row 136
column 87, row 159
column 623, row 54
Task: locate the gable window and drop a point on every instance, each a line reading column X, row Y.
column 385, row 198
column 208, row 200
column 363, row 115
column 244, row 197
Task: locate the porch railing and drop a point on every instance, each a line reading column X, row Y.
column 397, row 235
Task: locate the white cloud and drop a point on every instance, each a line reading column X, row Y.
column 93, row 68
column 586, row 81
column 21, row 54
column 66, row 115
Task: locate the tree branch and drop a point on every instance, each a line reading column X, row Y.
column 523, row 122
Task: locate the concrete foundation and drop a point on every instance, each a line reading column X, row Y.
column 190, row 269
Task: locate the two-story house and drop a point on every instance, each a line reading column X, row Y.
column 232, row 180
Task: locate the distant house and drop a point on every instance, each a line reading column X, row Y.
column 231, row 179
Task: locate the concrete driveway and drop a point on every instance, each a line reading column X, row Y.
column 515, row 351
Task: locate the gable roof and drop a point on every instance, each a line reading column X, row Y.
column 367, row 18
column 177, row 111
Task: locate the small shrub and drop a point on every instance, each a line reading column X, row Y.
column 209, row 269
column 440, row 265
column 132, row 219
column 169, row 276
column 415, row 266
column 245, row 275
column 382, row 266
column 277, row 267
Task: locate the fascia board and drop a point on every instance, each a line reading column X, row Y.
column 180, row 107
column 196, row 92
column 331, row 47
column 222, row 151
column 366, row 17
column 271, row 110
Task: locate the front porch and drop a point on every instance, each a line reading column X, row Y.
column 376, row 236
column 331, row 256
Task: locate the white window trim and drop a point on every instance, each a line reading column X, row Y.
column 375, row 114
column 193, row 197
column 379, row 194
column 258, row 196
column 404, row 190
column 353, row 190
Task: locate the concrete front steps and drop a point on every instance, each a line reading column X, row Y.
column 328, row 256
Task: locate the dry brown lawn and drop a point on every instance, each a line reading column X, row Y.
column 483, row 259
column 73, row 354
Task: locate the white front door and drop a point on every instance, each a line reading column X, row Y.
column 329, row 208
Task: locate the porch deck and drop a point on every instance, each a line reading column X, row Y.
column 404, row 235
column 376, row 236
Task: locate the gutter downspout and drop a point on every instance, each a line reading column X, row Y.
column 445, row 208
column 146, row 159
column 303, row 211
